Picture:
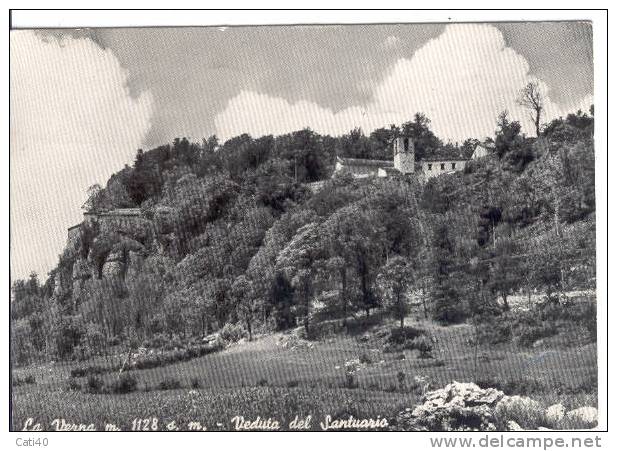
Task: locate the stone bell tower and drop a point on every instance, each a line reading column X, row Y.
column 404, row 155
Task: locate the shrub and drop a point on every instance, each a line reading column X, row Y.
column 114, row 341
column 78, row 372
column 126, row 383
column 360, row 325
column 73, row 385
column 373, row 386
column 82, row 352
column 134, row 343
column 523, row 386
column 402, row 335
column 589, row 319
column 27, row 380
column 576, row 319
column 195, row 383
column 423, row 345
column 177, row 355
column 263, row 382
column 493, row 330
column 157, row 341
column 589, row 385
column 192, row 352
column 232, row 333
column 528, row 413
column 85, row 371
column 420, row 385
column 94, row 338
column 68, row 335
column 400, row 377
column 218, row 344
column 445, row 313
column 365, row 358
column 529, row 334
column 409, row 338
column 169, row 384
column 173, row 343
column 95, row 384
column 432, row 363
column 582, row 313
column 293, row 383
column 151, row 361
column 350, row 380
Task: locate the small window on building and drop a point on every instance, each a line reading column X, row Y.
column 443, row 166
column 453, row 165
column 430, row 167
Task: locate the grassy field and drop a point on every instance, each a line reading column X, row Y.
column 264, row 378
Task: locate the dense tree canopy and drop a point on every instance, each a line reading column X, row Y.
column 233, row 233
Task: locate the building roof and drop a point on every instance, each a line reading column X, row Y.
column 124, row 212
column 489, row 147
column 448, row 154
column 116, row 212
column 390, row 170
column 365, row 162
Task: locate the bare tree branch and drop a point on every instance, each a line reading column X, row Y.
column 530, row 97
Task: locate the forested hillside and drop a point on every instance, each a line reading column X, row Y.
column 233, row 235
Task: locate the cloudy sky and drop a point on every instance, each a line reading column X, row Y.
column 83, row 101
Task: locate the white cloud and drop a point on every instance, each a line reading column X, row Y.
column 462, row 80
column 260, row 114
column 73, row 123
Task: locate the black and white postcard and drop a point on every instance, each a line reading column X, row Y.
column 319, row 227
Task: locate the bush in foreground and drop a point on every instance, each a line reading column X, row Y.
column 409, row 338
column 95, row 384
column 401, row 335
column 232, row 333
column 89, row 370
column 28, row 380
column 170, row 383
column 126, row 383
column 526, row 412
column 531, row 333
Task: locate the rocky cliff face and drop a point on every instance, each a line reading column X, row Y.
column 122, row 265
column 114, row 248
column 82, row 271
column 63, row 283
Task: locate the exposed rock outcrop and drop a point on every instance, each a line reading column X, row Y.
column 513, row 426
column 467, row 407
column 113, row 266
column 456, row 407
column 62, row 283
column 113, row 248
column 555, row 414
column 81, row 272
column 587, row 416
column 134, row 264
